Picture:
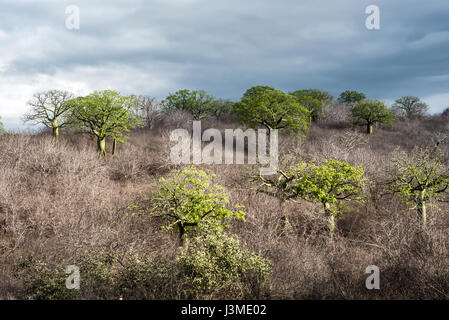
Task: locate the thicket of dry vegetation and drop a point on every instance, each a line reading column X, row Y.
column 59, row 201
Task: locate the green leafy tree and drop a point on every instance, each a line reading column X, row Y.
column 198, row 103
column 411, row 106
column 314, row 105
column 329, row 184
column 221, row 107
column 320, row 95
column 105, row 114
column 215, row 264
column 190, row 199
column 369, row 112
column 351, row 98
column 419, row 176
column 273, row 109
column 50, row 108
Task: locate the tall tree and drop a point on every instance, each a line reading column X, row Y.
column 329, row 184
column 351, row 98
column 190, row 199
column 105, row 114
column 273, row 109
column 50, row 108
column 197, row 103
column 150, row 109
column 321, row 95
column 419, row 176
column 369, row 112
column 411, row 106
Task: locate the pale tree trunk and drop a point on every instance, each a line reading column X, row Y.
column 55, row 128
column 331, row 218
column 422, row 208
column 284, row 219
column 101, row 144
column 114, row 147
column 369, row 128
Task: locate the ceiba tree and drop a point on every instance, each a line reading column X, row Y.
column 191, row 199
column 273, row 109
column 329, row 184
column 350, row 97
column 419, row 176
column 411, row 106
column 106, row 114
column 50, row 108
column 198, row 103
column 369, row 112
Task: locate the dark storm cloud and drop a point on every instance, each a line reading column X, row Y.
column 154, row 47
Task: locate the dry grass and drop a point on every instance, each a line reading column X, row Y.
column 58, row 201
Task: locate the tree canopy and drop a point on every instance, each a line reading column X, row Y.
column 273, row 109
column 105, row 114
column 419, row 176
column 320, row 95
column 50, row 108
column 410, row 106
column 369, row 112
column 198, row 103
column 350, row 97
column 190, row 198
column 329, row 184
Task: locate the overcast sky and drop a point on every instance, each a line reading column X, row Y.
column 224, row 47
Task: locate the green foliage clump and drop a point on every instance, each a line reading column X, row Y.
column 273, row 109
column 350, row 97
column 320, row 95
column 419, row 176
column 215, row 264
column 43, row 282
column 189, row 198
column 329, row 184
column 369, row 112
column 106, row 114
column 198, row 103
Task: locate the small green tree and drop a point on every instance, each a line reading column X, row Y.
column 419, row 176
column 272, row 109
column 197, row 103
column 50, row 108
column 190, row 198
column 370, row 112
column 315, row 106
column 215, row 264
column 105, row 114
column 329, row 184
column 351, row 98
column 221, row 107
column 323, row 96
column 411, row 106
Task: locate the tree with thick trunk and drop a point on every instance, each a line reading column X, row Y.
column 50, row 108
column 370, row 112
column 105, row 114
column 191, row 200
column 419, row 176
column 329, row 184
